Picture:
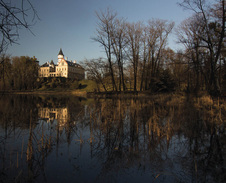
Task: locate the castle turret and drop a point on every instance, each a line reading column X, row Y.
column 60, row 55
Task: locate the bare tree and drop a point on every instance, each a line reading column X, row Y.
column 134, row 36
column 209, row 19
column 119, row 44
column 146, row 55
column 187, row 34
column 96, row 70
column 157, row 36
column 103, row 36
column 14, row 16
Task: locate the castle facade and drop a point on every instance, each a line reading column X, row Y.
column 63, row 68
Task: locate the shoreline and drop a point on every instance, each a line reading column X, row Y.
column 36, row 92
column 127, row 94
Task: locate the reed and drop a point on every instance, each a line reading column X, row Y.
column 22, row 149
column 17, row 160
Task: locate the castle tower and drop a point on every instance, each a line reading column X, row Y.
column 60, row 55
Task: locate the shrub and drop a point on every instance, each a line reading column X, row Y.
column 163, row 83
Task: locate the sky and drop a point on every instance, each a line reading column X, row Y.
column 70, row 25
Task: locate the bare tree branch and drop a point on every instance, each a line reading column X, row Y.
column 14, row 17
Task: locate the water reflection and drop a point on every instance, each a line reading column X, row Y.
column 51, row 114
column 56, row 139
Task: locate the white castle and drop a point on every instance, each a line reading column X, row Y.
column 64, row 68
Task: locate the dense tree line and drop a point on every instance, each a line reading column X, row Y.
column 137, row 56
column 18, row 73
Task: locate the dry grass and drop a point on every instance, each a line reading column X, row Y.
column 213, row 109
column 79, row 93
column 176, row 100
column 204, row 102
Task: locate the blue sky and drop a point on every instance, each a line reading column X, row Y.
column 70, row 24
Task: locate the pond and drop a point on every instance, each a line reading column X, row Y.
column 72, row 139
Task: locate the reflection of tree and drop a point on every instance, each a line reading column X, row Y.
column 206, row 143
column 19, row 117
column 130, row 133
column 161, row 138
column 31, row 139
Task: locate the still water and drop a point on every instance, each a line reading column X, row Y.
column 71, row 139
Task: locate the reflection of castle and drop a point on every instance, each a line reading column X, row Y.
column 49, row 114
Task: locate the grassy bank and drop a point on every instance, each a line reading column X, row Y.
column 58, row 86
column 88, row 88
